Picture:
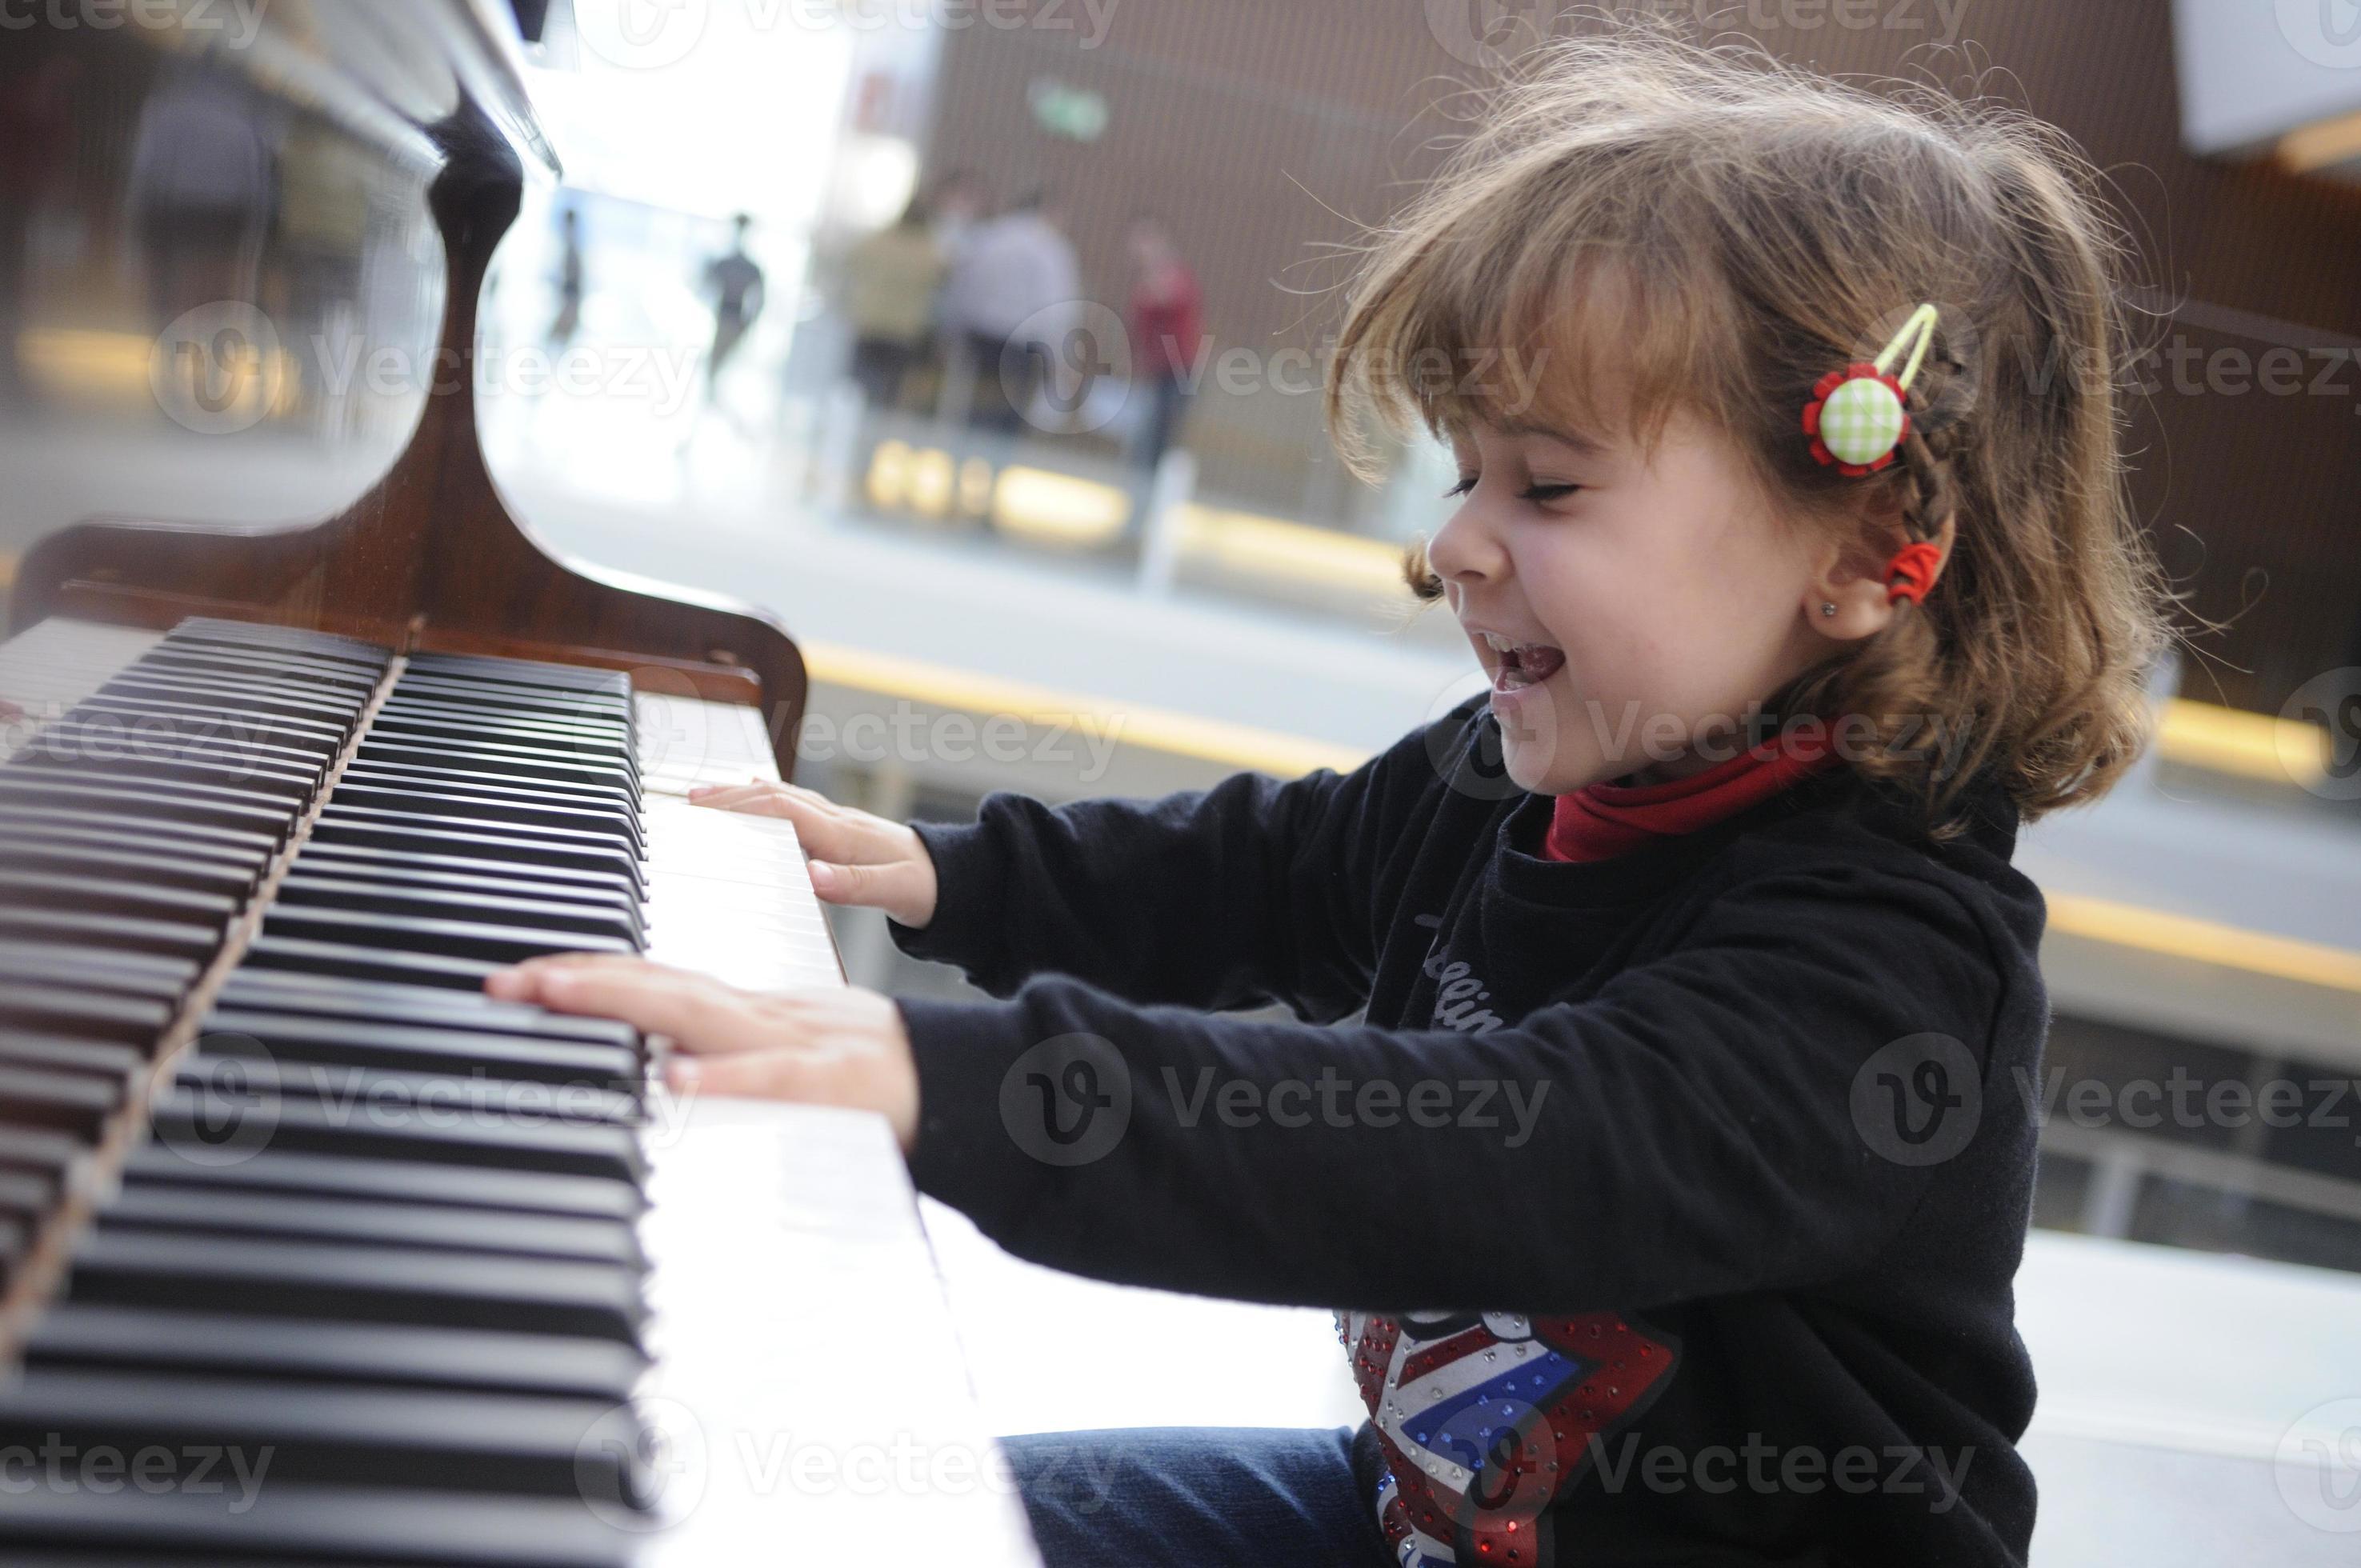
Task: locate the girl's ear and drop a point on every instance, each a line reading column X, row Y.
column 1851, row 571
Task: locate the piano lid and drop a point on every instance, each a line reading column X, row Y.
column 241, row 251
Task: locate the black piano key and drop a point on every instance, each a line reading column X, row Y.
column 484, row 840
column 301, row 1217
column 410, row 934
column 382, row 748
column 289, row 1525
column 161, row 938
column 534, row 671
column 513, row 903
column 459, row 779
column 223, row 1345
column 52, row 1157
column 393, row 1180
column 295, row 737
column 297, row 1037
column 120, row 859
column 510, row 813
column 31, row 889
column 511, row 698
column 260, row 989
column 234, row 1110
column 346, row 960
column 337, row 1433
column 264, row 784
column 125, row 818
column 357, row 1089
column 237, row 665
column 256, row 701
column 76, row 1104
column 102, row 731
column 59, row 1053
column 465, row 721
column 502, row 879
column 197, row 804
column 133, row 974
column 80, row 1014
column 201, row 1272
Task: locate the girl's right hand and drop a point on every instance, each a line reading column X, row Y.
column 855, row 857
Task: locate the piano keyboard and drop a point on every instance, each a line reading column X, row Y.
column 452, row 1280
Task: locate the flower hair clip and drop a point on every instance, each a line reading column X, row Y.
column 1857, row 420
column 1859, row 415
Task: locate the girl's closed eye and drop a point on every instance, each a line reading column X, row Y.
column 1533, row 492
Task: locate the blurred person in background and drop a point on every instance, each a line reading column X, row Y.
column 1166, row 322
column 1014, row 287
column 736, row 285
column 891, row 278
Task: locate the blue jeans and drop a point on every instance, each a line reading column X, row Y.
column 1197, row 1497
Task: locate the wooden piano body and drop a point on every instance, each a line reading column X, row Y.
column 800, row 1391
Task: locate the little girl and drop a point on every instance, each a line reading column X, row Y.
column 1653, row 1107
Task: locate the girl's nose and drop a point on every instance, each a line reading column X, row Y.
column 1467, row 552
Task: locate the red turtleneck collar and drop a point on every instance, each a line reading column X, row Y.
column 1602, row 821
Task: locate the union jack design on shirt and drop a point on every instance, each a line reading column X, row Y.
column 1486, row 1419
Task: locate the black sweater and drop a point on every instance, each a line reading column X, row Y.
column 1684, row 1190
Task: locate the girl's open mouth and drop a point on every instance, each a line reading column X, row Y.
column 1522, row 663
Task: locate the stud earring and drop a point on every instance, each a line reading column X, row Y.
column 1827, row 607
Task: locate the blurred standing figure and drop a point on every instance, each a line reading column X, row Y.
column 736, row 284
column 959, row 202
column 568, row 319
column 1166, row 324
column 1013, row 288
column 891, row 279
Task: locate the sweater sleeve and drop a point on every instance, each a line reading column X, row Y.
column 1249, row 893
column 1689, row 1130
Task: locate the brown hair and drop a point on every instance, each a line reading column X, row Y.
column 1713, row 230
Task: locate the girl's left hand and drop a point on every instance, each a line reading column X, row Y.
column 844, row 1047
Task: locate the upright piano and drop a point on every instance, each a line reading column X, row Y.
column 309, row 1252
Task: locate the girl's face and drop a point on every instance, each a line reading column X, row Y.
column 1626, row 611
